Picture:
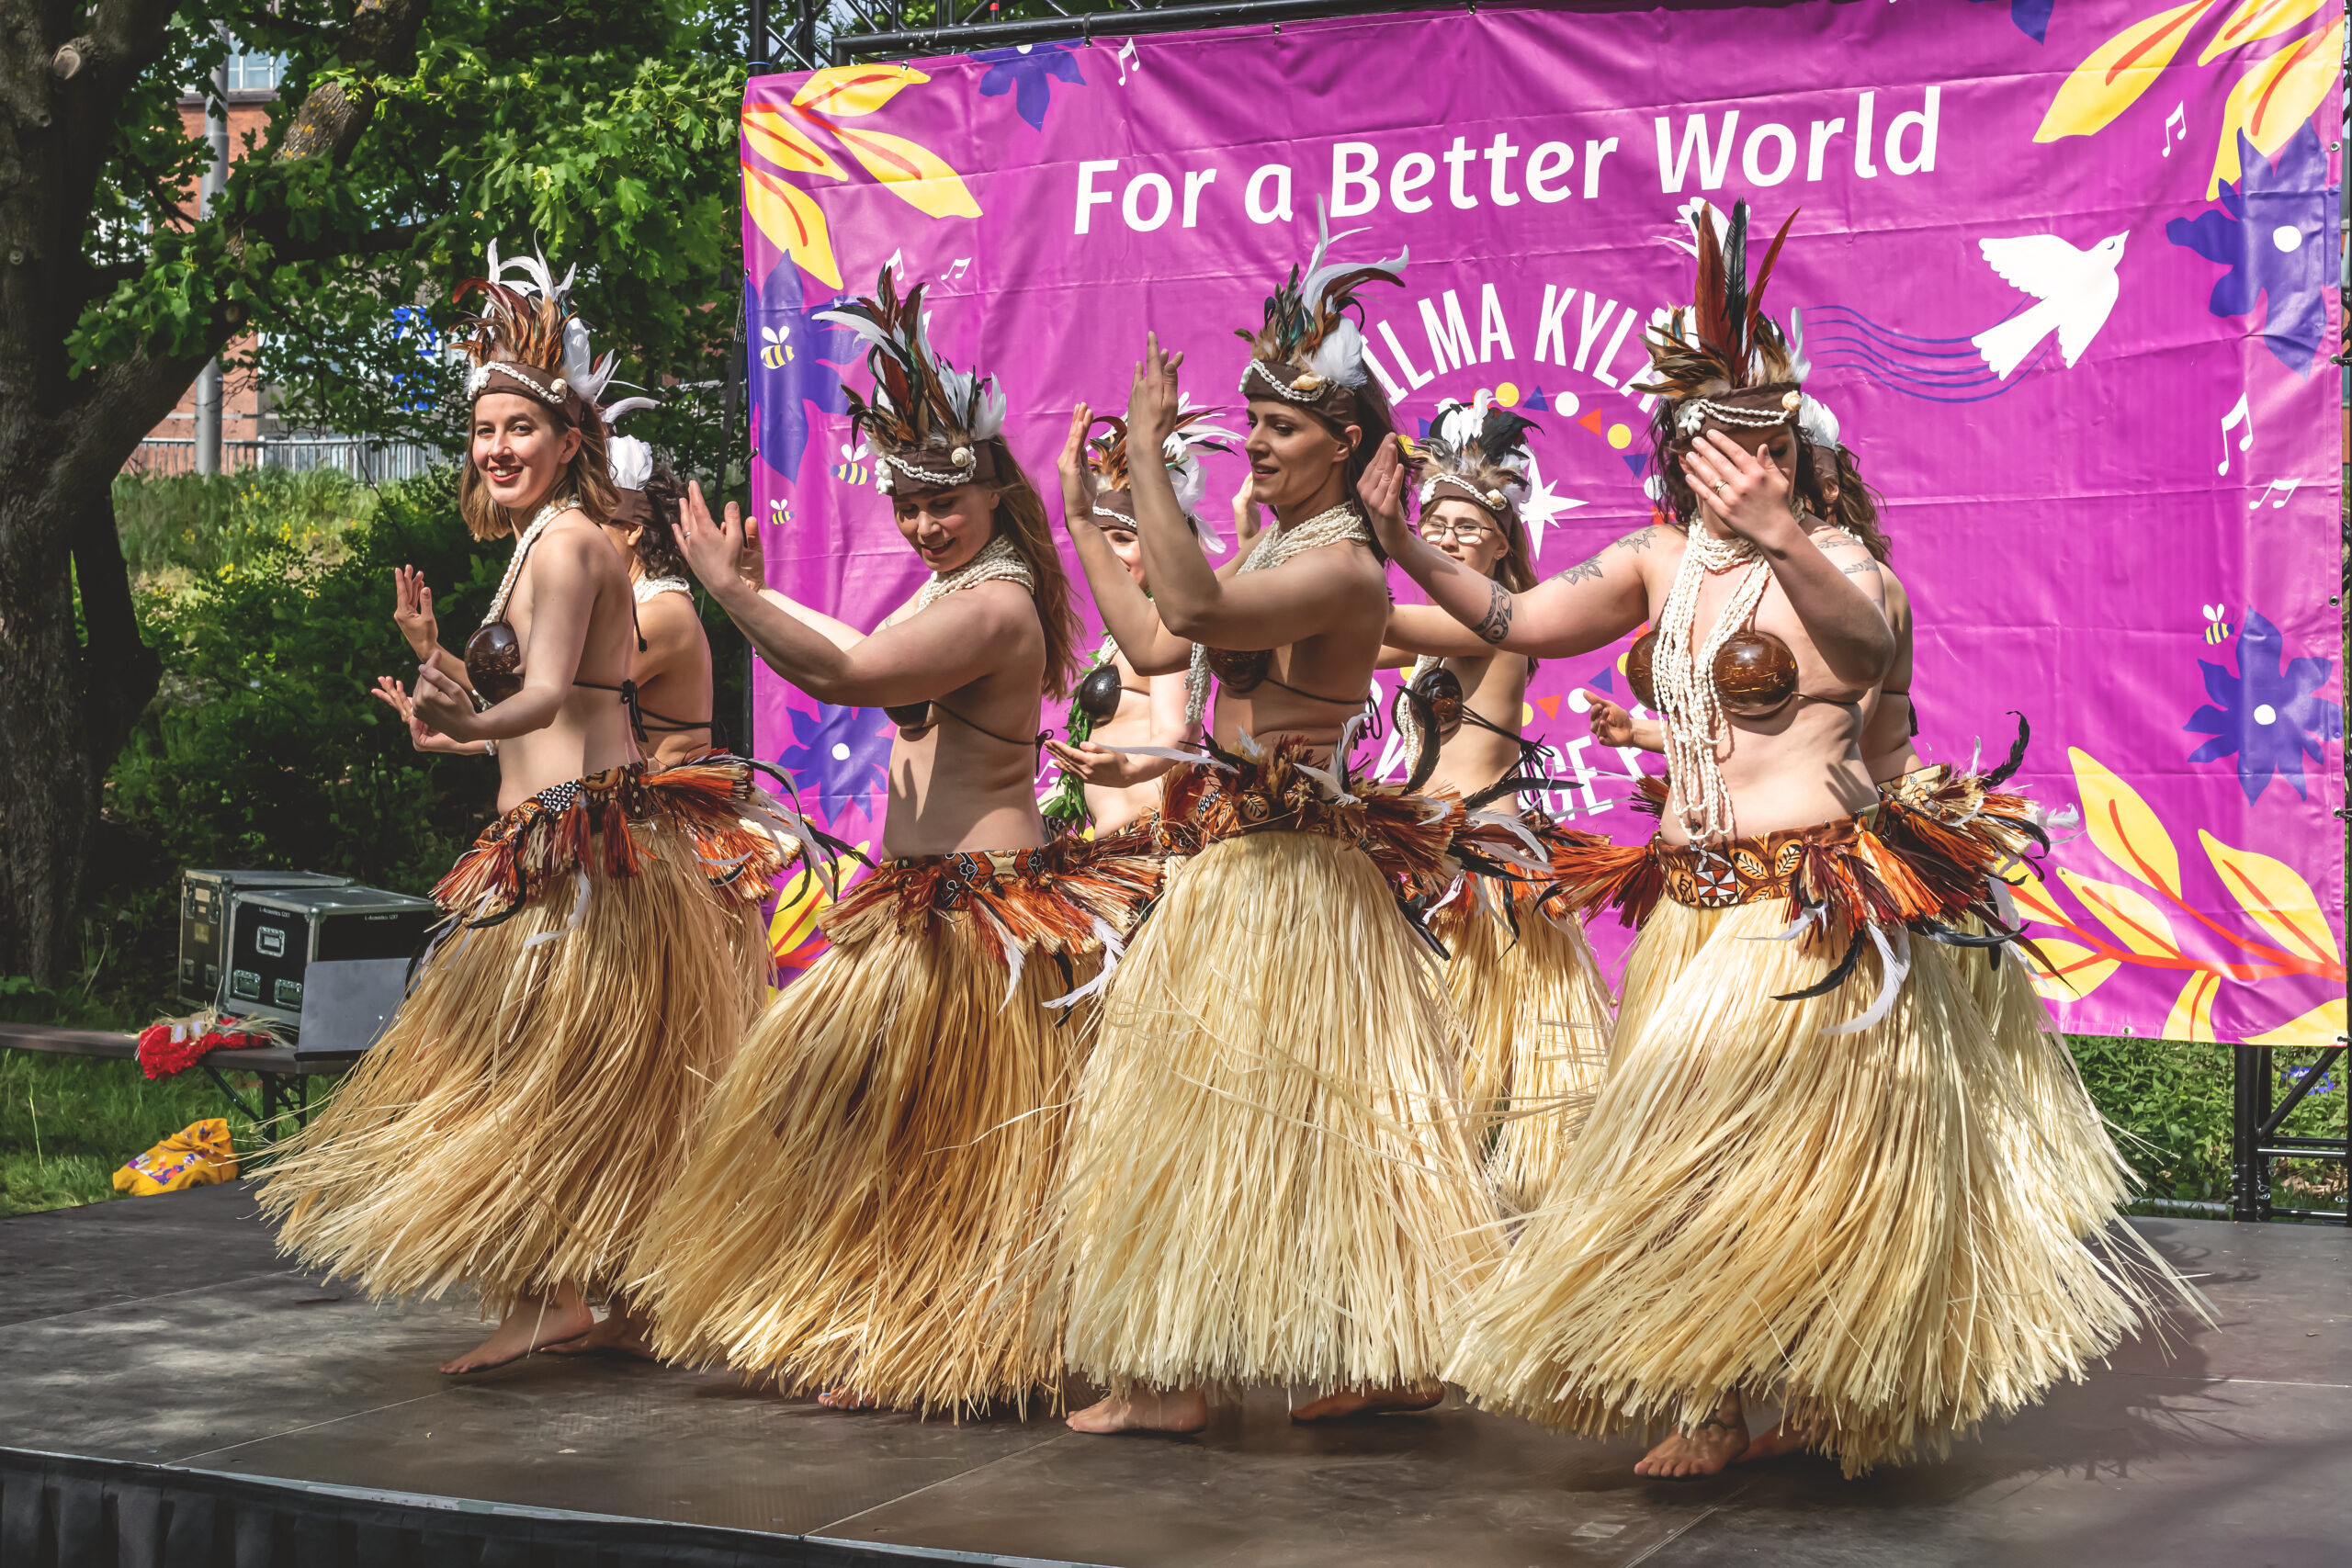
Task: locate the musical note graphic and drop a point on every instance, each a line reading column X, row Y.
column 897, row 264
column 2241, row 414
column 1128, row 53
column 2175, row 124
column 953, row 273
column 2284, row 488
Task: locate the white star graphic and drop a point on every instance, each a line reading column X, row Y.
column 1544, row 506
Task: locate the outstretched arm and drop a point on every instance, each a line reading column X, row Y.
column 950, row 645
column 1128, row 615
column 1589, row 605
column 1263, row 609
column 1417, row 629
column 1830, row 578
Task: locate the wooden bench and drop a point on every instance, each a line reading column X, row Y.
column 285, row 1075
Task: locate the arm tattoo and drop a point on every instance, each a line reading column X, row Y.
column 1640, row 539
column 1496, row 623
column 1583, row 571
column 1860, row 567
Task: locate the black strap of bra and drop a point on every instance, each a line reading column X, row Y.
column 1314, row 696
column 1036, row 745
column 628, row 689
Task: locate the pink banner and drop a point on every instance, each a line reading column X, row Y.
column 2067, row 274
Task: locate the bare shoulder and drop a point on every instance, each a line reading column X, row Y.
column 670, row 619
column 1001, row 606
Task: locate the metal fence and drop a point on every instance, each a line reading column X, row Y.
column 369, row 462
column 802, row 34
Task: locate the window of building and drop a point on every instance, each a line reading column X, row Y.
column 251, row 72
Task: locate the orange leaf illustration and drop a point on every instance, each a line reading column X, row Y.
column 2256, row 19
column 2034, row 899
column 2136, row 921
column 793, row 222
column 785, row 145
column 2123, row 828
column 2117, row 73
column 2324, row 1025
column 2275, row 97
column 2193, row 1011
column 2074, row 972
column 912, row 172
column 2275, row 897
column 846, row 92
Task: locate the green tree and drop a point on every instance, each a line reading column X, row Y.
column 409, row 134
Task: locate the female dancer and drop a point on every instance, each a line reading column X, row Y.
column 872, row 1190
column 1791, row 1186
column 531, row 1097
column 1523, row 978
column 1122, row 782
column 1270, row 1179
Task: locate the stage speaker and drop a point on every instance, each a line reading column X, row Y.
column 331, row 962
column 204, row 923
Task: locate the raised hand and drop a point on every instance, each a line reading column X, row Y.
column 1246, row 520
column 1612, row 726
column 1078, row 479
column 1749, row 493
column 1382, row 491
column 412, row 611
column 1152, row 401
column 713, row 550
column 421, row 736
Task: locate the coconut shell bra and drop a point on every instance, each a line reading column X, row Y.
column 1755, row 673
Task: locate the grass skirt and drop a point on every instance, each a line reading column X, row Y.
column 1536, row 1011
column 1855, row 1227
column 532, row 1098
column 870, row 1204
column 1270, row 1180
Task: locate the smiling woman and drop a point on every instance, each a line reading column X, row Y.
column 532, row 1096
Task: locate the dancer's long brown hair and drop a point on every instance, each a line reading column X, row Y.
column 1021, row 517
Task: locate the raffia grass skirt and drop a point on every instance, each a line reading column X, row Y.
column 529, row 1102
column 1853, row 1227
column 1537, row 1014
column 1270, row 1178
column 869, row 1206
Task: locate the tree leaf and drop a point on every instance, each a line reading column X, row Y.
column 2074, row 972
column 785, row 144
column 2123, row 828
column 2111, row 78
column 2254, row 20
column 2324, row 1025
column 913, row 173
column 2135, row 919
column 793, row 221
column 2276, row 898
column 2273, row 99
column 2191, row 1017
column 847, row 92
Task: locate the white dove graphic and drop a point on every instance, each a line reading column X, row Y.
column 2075, row 290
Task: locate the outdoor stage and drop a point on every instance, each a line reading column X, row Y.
column 171, row 1396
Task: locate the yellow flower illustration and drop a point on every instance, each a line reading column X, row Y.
column 778, row 143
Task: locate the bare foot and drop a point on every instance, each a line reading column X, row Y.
column 523, row 1330
column 847, row 1399
column 1351, row 1402
column 1773, row 1443
column 622, row 1333
column 1181, row 1410
column 1704, row 1452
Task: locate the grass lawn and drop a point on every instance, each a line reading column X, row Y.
column 67, row 1123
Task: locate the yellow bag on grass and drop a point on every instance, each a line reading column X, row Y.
column 196, row 1155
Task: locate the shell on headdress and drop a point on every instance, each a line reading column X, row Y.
column 1479, row 448
column 923, row 411
column 1308, row 341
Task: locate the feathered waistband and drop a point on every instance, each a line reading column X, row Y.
column 1225, row 795
column 741, row 835
column 1064, row 897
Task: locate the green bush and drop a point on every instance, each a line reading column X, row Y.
column 67, row 1123
column 191, row 528
column 2170, row 1104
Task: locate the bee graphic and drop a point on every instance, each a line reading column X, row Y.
column 779, row 510
column 852, row 468
column 2217, row 630
column 775, row 350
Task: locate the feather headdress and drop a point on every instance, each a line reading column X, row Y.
column 1723, row 344
column 928, row 422
column 1309, row 350
column 1477, row 451
column 1107, row 455
column 527, row 340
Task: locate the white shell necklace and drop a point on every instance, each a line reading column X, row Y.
column 997, row 561
column 547, row 514
column 646, row 587
column 1275, row 546
column 1684, row 677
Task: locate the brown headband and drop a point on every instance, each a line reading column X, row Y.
column 631, row 508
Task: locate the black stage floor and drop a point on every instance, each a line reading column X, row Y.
column 164, row 1331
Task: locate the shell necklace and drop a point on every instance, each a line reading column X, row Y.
column 547, row 514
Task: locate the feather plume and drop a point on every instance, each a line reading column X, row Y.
column 922, row 409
